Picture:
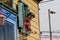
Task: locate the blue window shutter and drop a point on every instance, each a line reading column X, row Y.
column 1, row 34
column 7, row 31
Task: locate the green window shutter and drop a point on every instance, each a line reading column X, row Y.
column 20, row 14
column 26, row 9
column 11, row 3
column 26, row 12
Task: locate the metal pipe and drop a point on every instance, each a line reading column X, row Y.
column 49, row 24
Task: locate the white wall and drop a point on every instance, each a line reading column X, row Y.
column 55, row 19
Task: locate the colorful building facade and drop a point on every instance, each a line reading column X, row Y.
column 33, row 7
column 8, row 31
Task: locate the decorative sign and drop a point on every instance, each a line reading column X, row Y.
column 1, row 19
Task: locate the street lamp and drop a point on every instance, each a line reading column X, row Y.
column 50, row 12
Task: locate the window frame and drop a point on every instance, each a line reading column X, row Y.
column 24, row 8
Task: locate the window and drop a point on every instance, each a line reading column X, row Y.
column 22, row 13
column 26, row 9
column 11, row 22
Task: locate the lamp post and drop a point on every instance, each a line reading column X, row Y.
column 50, row 12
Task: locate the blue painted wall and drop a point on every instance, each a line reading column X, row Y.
column 9, row 30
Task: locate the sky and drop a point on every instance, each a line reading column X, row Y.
column 55, row 18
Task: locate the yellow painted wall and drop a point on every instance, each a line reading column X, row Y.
column 7, row 2
column 33, row 6
column 15, row 3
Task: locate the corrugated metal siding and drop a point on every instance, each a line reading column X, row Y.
column 7, row 31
